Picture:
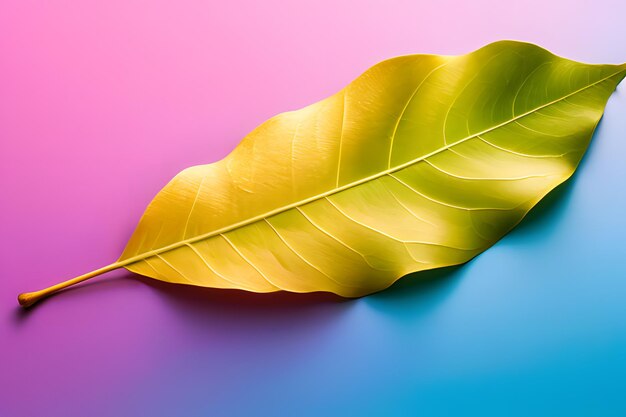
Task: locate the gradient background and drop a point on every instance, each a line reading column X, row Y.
column 102, row 102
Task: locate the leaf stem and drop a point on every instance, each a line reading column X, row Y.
column 27, row 299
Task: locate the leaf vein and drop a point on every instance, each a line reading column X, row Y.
column 334, row 237
column 292, row 249
column 236, row 249
column 406, row 106
column 193, row 205
column 524, row 177
column 208, row 265
column 404, row 242
column 434, row 200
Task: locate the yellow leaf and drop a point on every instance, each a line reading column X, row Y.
column 423, row 161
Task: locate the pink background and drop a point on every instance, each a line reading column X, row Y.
column 102, row 102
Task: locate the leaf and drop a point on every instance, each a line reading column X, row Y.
column 423, row 161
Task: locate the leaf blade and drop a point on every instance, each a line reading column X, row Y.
column 456, row 146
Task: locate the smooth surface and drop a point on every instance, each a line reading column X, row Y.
column 103, row 103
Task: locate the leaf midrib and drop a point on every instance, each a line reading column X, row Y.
column 183, row 242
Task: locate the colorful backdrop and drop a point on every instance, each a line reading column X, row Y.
column 102, row 102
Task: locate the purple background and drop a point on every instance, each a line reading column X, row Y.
column 102, row 102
